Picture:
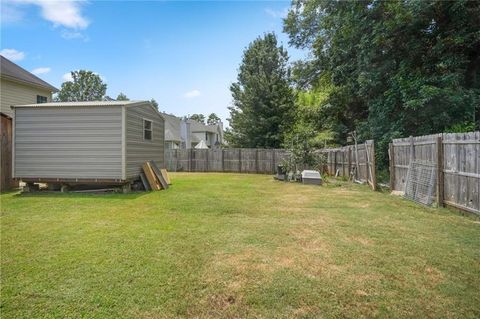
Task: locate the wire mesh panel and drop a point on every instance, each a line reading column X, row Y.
column 420, row 182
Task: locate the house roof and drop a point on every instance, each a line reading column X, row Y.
column 11, row 71
column 200, row 127
column 172, row 127
column 201, row 145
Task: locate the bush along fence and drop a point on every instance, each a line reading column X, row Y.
column 456, row 157
column 235, row 160
column 356, row 162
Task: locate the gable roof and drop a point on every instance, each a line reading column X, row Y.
column 10, row 70
column 92, row 104
column 172, row 127
column 200, row 127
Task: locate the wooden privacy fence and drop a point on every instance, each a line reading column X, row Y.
column 457, row 159
column 6, row 181
column 347, row 159
column 235, row 160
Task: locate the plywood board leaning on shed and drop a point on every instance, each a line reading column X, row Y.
column 145, row 183
column 166, row 176
column 158, row 175
column 152, row 180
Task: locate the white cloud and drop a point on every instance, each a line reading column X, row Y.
column 277, row 13
column 192, row 94
column 66, row 13
column 67, row 77
column 13, row 54
column 42, row 70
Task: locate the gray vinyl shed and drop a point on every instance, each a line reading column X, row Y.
column 86, row 142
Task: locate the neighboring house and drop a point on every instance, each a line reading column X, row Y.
column 18, row 86
column 173, row 132
column 211, row 134
column 180, row 133
column 86, row 142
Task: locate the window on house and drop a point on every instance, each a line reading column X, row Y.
column 147, row 130
column 41, row 99
column 206, row 136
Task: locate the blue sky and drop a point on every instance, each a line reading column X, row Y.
column 183, row 54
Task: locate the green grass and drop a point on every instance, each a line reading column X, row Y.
column 230, row 246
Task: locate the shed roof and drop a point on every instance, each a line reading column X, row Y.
column 89, row 104
column 10, row 70
column 85, row 103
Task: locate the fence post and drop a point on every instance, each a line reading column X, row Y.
column 239, row 160
column 335, row 163
column 440, row 193
column 374, row 173
column 349, row 161
column 206, row 162
column 273, row 161
column 367, row 165
column 391, row 155
column 223, row 160
column 176, row 160
column 412, row 150
column 191, row 160
column 256, row 160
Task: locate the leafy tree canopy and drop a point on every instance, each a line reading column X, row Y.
column 198, row 117
column 263, row 101
column 122, row 97
column 85, row 86
column 397, row 68
column 213, row 119
column 154, row 103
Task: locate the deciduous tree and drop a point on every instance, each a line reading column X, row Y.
column 213, row 119
column 198, row 117
column 399, row 68
column 122, row 97
column 85, row 86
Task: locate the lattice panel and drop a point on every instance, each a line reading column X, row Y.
column 420, row 182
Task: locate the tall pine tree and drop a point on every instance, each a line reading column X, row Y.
column 263, row 100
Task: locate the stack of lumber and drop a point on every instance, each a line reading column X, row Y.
column 154, row 178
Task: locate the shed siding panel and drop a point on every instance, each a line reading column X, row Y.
column 137, row 149
column 70, row 142
column 13, row 93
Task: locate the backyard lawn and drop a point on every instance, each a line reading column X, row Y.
column 236, row 246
